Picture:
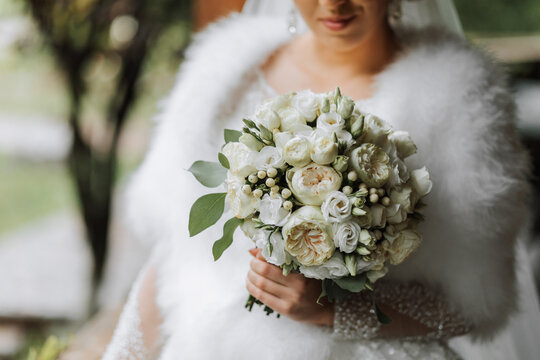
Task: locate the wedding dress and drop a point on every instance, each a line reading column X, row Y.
column 453, row 102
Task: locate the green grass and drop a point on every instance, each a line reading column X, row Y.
column 29, row 191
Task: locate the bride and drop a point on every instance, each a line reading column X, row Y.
column 447, row 95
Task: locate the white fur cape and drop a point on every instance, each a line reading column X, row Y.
column 452, row 100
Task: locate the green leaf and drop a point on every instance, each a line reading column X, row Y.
column 353, row 284
column 205, row 212
column 231, row 135
column 208, row 173
column 381, row 316
column 226, row 240
column 224, row 161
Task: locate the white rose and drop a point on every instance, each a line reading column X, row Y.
column 378, row 216
column 334, row 268
column 269, row 157
column 395, row 214
column 330, row 122
column 312, row 183
column 336, row 207
column 241, row 204
column 297, row 151
column 249, row 227
column 404, row 244
column 240, row 158
column 267, row 117
column 346, row 235
column 324, row 149
column 421, row 181
column 308, row 237
column 403, row 142
column 307, row 104
column 271, row 210
column 371, row 164
column 399, row 174
column 376, row 131
column 277, row 256
column 291, row 119
column 403, row 197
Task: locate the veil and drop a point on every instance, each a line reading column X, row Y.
column 518, row 340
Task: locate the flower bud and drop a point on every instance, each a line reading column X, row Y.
column 357, row 124
column 350, row 263
column 271, row 172
column 251, row 142
column 345, row 107
column 246, row 189
column 287, row 205
column 341, row 163
column 362, row 251
column 253, row 178
column 286, row 193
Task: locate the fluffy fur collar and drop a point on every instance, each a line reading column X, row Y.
column 451, row 99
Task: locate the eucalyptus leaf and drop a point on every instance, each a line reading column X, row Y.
column 208, row 173
column 226, row 240
column 205, row 212
column 353, row 284
column 231, row 135
column 223, row 161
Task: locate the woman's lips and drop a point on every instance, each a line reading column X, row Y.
column 337, row 23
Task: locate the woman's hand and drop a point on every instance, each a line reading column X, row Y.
column 293, row 295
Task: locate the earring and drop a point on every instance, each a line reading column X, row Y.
column 292, row 22
column 394, row 10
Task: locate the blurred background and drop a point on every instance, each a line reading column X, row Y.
column 80, row 81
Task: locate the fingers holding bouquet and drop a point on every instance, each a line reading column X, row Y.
column 292, row 295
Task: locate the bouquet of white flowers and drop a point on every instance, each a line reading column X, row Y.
column 321, row 187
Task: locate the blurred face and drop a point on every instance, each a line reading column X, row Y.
column 343, row 24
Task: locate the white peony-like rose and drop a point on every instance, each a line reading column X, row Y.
column 403, row 142
column 269, row 157
column 330, row 122
column 267, row 117
column 240, row 158
column 371, row 164
column 376, row 131
column 324, row 148
column 378, row 216
column 395, row 214
column 336, row 207
column 421, row 181
column 308, row 236
column 241, row 204
column 297, row 151
column 271, row 210
column 307, row 104
column 334, row 268
column 275, row 253
column 346, row 235
column 312, row 183
column 292, row 120
column 404, row 244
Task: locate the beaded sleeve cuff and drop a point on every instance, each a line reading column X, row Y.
column 355, row 318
